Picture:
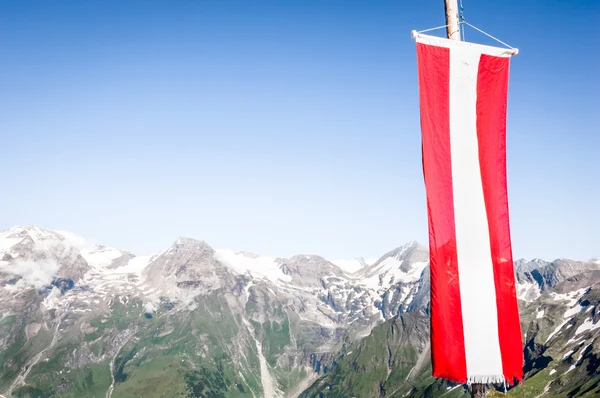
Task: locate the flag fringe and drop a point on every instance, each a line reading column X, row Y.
column 485, row 380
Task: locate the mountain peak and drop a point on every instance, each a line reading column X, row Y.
column 191, row 243
column 32, row 234
column 35, row 232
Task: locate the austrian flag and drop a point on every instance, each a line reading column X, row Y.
column 475, row 329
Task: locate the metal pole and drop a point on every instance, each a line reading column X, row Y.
column 453, row 28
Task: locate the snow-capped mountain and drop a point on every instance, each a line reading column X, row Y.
column 73, row 287
column 37, row 257
column 79, row 319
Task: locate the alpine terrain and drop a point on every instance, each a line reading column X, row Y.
column 82, row 320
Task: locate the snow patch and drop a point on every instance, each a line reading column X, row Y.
column 572, row 311
column 570, row 297
column 527, row 291
column 6, row 243
column 579, row 340
column 567, row 354
column 257, row 266
column 135, row 265
column 552, row 372
column 388, row 272
column 351, row 266
column 587, row 325
column 583, row 350
column 100, row 257
column 540, row 314
column 556, row 330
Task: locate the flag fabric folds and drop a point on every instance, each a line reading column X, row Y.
column 475, row 328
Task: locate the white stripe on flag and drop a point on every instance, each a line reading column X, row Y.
column 475, row 268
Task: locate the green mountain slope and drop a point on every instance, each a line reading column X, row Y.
column 393, row 361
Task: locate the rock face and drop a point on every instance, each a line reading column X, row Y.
column 83, row 320
column 538, row 276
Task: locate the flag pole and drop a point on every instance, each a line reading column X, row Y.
column 478, row 390
column 453, row 27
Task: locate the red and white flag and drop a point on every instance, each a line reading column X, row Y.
column 475, row 328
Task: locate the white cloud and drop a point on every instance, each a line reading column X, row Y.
column 74, row 241
column 35, row 273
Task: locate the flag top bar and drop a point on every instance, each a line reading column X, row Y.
column 482, row 48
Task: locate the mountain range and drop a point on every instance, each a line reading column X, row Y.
column 83, row 320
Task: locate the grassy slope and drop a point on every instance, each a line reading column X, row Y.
column 363, row 370
column 185, row 354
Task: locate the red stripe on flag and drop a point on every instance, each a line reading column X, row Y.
column 492, row 93
column 447, row 337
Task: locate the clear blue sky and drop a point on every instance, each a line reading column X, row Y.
column 279, row 127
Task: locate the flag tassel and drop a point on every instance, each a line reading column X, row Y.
column 482, row 379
